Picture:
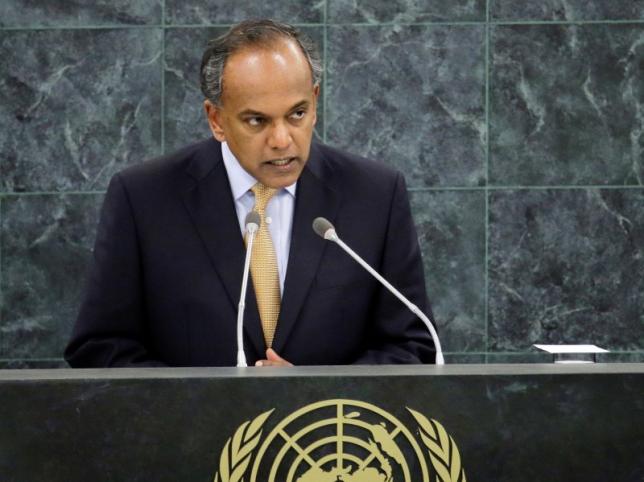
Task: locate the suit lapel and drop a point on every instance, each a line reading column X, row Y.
column 313, row 198
column 210, row 204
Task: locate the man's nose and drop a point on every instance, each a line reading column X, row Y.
column 280, row 137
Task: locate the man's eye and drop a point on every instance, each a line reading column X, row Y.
column 254, row 121
column 298, row 114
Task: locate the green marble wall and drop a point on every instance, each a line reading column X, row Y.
column 518, row 124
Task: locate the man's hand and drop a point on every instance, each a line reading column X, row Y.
column 273, row 360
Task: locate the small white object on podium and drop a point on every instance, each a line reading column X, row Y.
column 558, row 350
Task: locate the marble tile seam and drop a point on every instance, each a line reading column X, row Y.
column 485, row 189
column 1, row 284
column 438, row 23
column 81, row 27
column 567, row 22
column 325, row 62
column 329, row 24
column 454, row 23
column 406, row 24
column 132, row 27
column 523, row 188
column 447, row 188
column 486, row 261
column 171, row 26
column 225, row 25
column 565, row 187
column 50, row 359
column 162, row 64
column 50, row 193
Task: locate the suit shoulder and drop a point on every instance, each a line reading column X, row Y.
column 170, row 167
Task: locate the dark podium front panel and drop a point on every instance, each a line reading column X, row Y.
column 326, row 424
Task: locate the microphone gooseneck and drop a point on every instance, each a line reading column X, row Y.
column 325, row 229
column 252, row 223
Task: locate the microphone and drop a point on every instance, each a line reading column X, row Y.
column 325, row 229
column 252, row 223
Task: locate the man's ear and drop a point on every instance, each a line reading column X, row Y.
column 316, row 97
column 213, row 114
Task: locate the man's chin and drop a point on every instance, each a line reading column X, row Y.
column 278, row 183
column 278, row 178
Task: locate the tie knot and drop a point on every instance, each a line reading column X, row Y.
column 263, row 194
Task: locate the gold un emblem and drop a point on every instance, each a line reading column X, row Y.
column 340, row 441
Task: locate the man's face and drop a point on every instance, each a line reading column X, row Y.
column 267, row 111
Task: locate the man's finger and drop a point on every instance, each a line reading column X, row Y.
column 269, row 363
column 273, row 356
column 273, row 360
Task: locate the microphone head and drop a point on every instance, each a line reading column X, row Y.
column 323, row 228
column 252, row 221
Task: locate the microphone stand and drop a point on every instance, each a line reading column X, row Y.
column 252, row 225
column 331, row 235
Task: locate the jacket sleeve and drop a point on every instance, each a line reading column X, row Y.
column 110, row 330
column 398, row 335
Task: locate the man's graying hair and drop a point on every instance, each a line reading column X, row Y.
column 257, row 33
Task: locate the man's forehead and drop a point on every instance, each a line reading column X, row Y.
column 255, row 75
column 281, row 51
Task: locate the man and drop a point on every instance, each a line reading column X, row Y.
column 169, row 252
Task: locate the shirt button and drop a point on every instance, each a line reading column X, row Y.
column 269, row 220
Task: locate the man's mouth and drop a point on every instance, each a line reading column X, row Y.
column 281, row 162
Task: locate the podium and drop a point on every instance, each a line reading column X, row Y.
column 401, row 423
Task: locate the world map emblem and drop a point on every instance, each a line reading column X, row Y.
column 340, row 440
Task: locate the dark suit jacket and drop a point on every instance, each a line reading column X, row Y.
column 168, row 260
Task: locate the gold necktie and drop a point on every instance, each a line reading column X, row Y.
column 263, row 267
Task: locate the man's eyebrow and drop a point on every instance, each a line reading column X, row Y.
column 299, row 105
column 252, row 112
column 256, row 113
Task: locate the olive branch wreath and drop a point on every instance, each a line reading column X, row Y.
column 443, row 452
column 237, row 453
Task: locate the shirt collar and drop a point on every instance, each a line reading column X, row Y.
column 240, row 180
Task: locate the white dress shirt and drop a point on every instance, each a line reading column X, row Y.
column 279, row 211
